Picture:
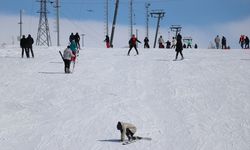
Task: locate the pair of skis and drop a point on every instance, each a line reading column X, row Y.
column 137, row 138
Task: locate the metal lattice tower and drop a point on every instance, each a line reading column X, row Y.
column 147, row 18
column 43, row 34
column 106, row 12
column 131, row 17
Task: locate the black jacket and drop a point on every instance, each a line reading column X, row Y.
column 30, row 41
column 23, row 42
column 179, row 46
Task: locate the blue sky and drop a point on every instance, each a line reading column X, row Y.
column 201, row 19
column 183, row 12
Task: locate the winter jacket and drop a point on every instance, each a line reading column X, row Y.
column 146, row 40
column 67, row 54
column 174, row 41
column 160, row 40
column 73, row 46
column 30, row 41
column 126, row 126
column 217, row 40
column 133, row 40
column 77, row 37
column 106, row 39
column 71, row 37
column 246, row 40
column 23, row 42
column 223, row 41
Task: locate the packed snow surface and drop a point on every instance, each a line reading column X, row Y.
column 200, row 103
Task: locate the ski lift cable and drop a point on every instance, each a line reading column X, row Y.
column 81, row 27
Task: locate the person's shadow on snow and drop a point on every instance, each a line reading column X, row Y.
column 111, row 140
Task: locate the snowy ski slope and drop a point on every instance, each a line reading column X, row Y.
column 200, row 103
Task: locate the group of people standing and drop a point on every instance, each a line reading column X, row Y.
column 26, row 45
column 222, row 41
column 76, row 38
column 70, row 53
column 169, row 45
column 244, row 42
column 178, row 46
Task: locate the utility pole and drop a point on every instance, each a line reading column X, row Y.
column 21, row 23
column 43, row 35
column 57, row 22
column 131, row 17
column 114, row 22
column 157, row 14
column 82, row 39
column 106, row 17
column 147, row 17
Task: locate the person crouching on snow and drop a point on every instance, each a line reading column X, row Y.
column 128, row 129
column 67, row 55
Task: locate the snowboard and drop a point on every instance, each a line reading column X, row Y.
column 137, row 138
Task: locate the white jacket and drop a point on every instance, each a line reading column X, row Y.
column 67, row 54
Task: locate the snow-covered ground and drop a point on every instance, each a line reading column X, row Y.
column 200, row 103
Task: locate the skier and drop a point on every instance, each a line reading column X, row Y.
column 146, row 45
column 189, row 43
column 126, row 129
column 195, row 46
column 30, row 42
column 224, row 42
column 67, row 55
column 168, row 44
column 217, row 41
column 179, row 47
column 184, row 45
column 23, row 45
column 77, row 40
column 246, row 42
column 161, row 42
column 107, row 41
column 132, row 43
column 242, row 41
column 73, row 48
column 173, row 42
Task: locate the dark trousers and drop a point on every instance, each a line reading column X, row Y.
column 146, row 45
column 224, row 46
column 242, row 45
column 177, row 52
column 26, row 52
column 31, row 50
column 67, row 65
column 129, row 134
column 131, row 46
column 247, row 45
